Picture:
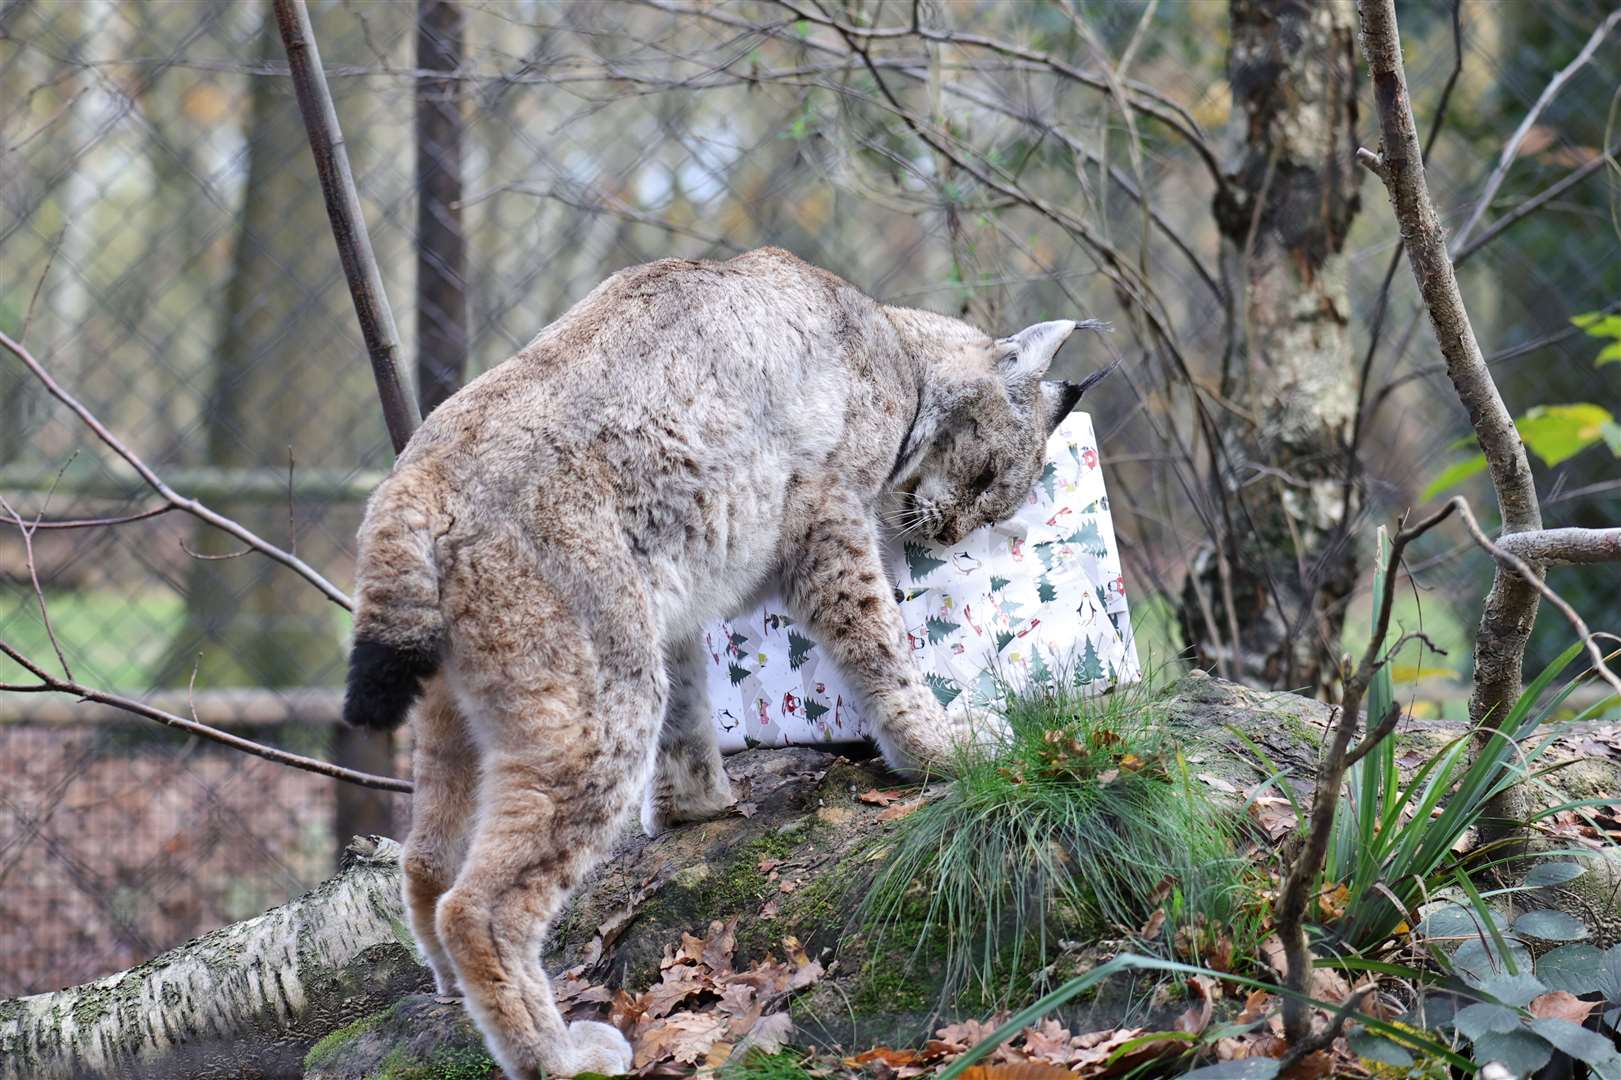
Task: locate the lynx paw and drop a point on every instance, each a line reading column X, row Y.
column 664, row 807
column 598, row 1048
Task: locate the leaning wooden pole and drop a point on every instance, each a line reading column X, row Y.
column 400, row 411
column 357, row 811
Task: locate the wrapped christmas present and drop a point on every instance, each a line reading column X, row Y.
column 1037, row 598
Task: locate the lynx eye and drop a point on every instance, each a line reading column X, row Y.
column 983, row 480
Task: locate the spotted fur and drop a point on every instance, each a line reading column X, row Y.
column 551, row 542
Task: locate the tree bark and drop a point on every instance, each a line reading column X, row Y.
column 1284, row 219
column 243, row 1001
column 441, row 241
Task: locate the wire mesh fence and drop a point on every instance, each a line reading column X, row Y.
column 165, row 252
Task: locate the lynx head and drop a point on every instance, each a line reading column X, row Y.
column 977, row 444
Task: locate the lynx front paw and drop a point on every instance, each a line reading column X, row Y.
column 598, row 1048
column 927, row 740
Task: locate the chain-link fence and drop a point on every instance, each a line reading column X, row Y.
column 165, row 252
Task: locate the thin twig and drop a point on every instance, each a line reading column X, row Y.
column 1511, row 149
column 94, row 523
column 33, row 577
column 50, row 684
column 1290, row 913
column 168, row 494
column 1304, row 1048
column 215, row 558
column 1527, row 572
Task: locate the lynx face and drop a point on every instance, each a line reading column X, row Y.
column 984, row 451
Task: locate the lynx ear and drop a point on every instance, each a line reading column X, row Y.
column 1028, row 354
column 1059, row 398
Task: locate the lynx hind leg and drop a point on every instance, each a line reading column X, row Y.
column 836, row 583
column 689, row 780
column 567, row 734
column 444, row 769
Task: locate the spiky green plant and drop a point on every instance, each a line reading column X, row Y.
column 1083, row 821
column 1393, row 841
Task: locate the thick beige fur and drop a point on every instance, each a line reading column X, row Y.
column 558, row 531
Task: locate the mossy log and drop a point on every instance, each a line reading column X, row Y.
column 253, row 999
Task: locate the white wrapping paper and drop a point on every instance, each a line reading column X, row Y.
column 1036, row 598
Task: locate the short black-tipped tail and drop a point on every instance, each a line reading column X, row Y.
column 384, row 682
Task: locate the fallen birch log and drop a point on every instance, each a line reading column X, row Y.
column 245, row 1000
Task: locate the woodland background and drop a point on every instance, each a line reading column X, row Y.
column 164, row 250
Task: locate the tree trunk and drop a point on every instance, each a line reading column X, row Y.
column 441, row 241
column 1284, row 218
column 244, row 1001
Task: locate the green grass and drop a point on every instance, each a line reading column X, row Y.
column 784, row 1065
column 112, row 638
column 1083, row 824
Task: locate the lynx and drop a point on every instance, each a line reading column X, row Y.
column 538, row 567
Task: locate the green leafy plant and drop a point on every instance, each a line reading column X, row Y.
column 1606, row 326
column 1524, row 1017
column 1554, row 433
column 1084, row 821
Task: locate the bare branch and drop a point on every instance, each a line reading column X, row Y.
column 1512, row 149
column 94, row 523
column 1510, row 608
column 33, row 577
column 173, row 498
column 1290, row 914
column 1553, row 547
column 50, row 684
column 1608, row 540
column 1534, row 203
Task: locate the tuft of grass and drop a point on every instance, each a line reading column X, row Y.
column 1082, row 823
column 783, row 1065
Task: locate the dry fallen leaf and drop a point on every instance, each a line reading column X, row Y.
column 1155, row 923
column 1024, row 1070
column 1560, row 1005
column 900, row 810
column 874, row 797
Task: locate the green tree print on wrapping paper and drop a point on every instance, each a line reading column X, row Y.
column 1044, row 552
column 939, row 629
column 1088, row 539
column 999, row 583
column 1002, row 639
column 944, row 689
column 1048, row 481
column 919, row 563
column 1091, row 668
column 1045, row 592
column 814, row 710
column 736, row 674
column 1040, row 673
column 799, row 648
